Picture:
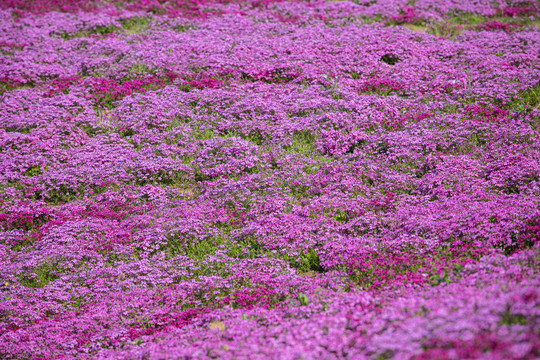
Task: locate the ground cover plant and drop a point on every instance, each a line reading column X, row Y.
column 269, row 179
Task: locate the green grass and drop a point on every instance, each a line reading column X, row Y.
column 34, row 171
column 459, row 22
column 508, row 318
column 136, row 25
column 165, row 178
column 183, row 27
column 245, row 249
column 96, row 30
column 62, row 194
column 21, row 129
column 527, row 99
column 302, row 143
column 5, row 87
column 138, row 70
column 256, row 137
column 40, row 276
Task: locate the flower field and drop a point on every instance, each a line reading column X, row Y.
column 262, row 179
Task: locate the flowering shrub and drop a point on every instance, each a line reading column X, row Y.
column 269, row 179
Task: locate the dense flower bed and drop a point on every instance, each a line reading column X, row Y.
column 269, row 179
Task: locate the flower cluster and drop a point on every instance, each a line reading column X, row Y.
column 269, row 179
